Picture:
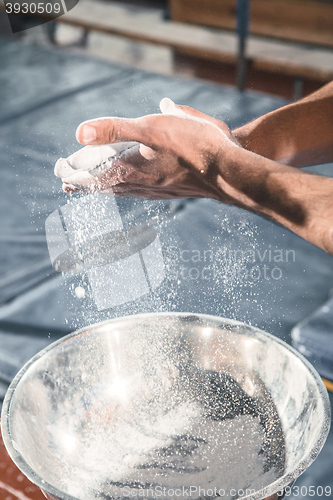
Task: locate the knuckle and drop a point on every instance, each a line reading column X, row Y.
column 110, row 133
column 152, row 128
column 107, row 130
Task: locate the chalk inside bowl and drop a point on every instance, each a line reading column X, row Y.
column 165, row 405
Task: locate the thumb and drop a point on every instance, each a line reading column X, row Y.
column 151, row 131
column 111, row 130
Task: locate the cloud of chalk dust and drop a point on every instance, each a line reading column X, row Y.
column 148, row 419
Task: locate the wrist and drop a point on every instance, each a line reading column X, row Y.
column 260, row 136
column 241, row 177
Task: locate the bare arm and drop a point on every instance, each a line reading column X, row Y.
column 298, row 200
column 299, row 134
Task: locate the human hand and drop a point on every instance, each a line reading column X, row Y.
column 181, row 154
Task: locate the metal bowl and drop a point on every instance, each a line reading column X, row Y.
column 165, row 405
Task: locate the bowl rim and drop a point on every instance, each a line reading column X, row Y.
column 277, row 486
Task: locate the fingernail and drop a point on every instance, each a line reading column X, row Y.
column 88, row 134
column 167, row 106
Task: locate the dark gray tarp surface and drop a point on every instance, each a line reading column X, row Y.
column 219, row 260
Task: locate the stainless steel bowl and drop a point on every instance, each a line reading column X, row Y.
column 169, row 405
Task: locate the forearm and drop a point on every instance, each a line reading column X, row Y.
column 300, row 201
column 298, row 134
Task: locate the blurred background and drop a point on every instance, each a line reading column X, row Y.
column 282, row 47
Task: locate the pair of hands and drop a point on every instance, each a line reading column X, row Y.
column 181, row 155
column 184, row 153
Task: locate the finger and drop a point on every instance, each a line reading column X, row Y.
column 63, row 169
column 83, row 187
column 127, row 167
column 167, row 106
column 111, row 130
column 72, row 189
column 183, row 136
column 147, row 153
column 103, row 131
column 153, row 131
column 84, row 181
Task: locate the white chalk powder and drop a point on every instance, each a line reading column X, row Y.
column 90, row 161
column 175, row 449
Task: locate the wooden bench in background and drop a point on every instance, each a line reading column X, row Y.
column 308, row 23
column 208, row 44
column 304, row 21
